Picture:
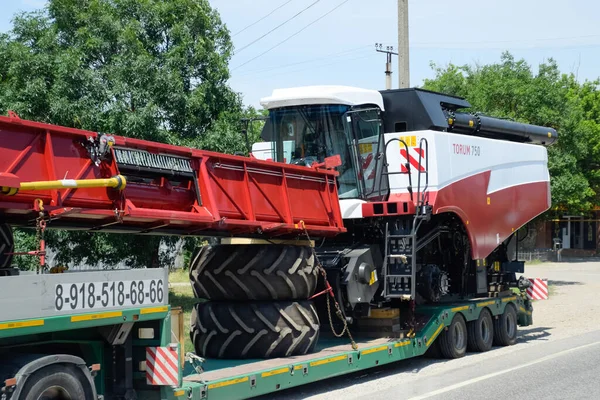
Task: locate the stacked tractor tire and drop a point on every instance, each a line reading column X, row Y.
column 254, row 301
column 7, row 245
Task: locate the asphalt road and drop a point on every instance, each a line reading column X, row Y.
column 565, row 369
column 556, row 358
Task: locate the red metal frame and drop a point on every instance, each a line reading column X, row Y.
column 237, row 195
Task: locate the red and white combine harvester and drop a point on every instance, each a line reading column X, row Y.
column 384, row 215
column 431, row 197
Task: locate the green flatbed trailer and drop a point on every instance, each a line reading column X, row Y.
column 230, row 379
column 107, row 346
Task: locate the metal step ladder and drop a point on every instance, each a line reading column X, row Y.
column 399, row 266
column 400, row 262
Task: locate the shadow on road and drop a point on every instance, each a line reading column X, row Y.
column 525, row 335
column 412, row 366
column 564, row 283
column 347, row 381
column 577, row 260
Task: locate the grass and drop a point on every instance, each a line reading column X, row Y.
column 182, row 296
column 179, row 276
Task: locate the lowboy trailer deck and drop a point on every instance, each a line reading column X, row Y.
column 230, row 379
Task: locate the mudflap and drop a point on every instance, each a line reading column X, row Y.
column 525, row 313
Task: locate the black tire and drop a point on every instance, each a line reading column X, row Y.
column 505, row 327
column 55, row 382
column 7, row 245
column 254, row 330
column 434, row 350
column 453, row 341
column 481, row 332
column 253, row 272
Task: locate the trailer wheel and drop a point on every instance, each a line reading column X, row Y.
column 253, row 272
column 505, row 327
column 434, row 350
column 453, row 341
column 254, row 329
column 55, row 382
column 481, row 332
column 7, row 245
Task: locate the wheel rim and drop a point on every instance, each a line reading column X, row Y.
column 485, row 330
column 55, row 393
column 460, row 338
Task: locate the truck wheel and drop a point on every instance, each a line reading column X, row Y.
column 481, row 332
column 253, row 272
column 453, row 341
column 505, row 327
column 434, row 350
column 55, row 382
column 7, row 245
column 254, row 329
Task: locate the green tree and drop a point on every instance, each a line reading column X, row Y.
column 511, row 89
column 151, row 69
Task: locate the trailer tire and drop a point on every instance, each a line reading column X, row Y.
column 481, row 332
column 453, row 340
column 54, row 382
column 254, row 329
column 434, row 350
column 505, row 327
column 7, row 245
column 253, row 272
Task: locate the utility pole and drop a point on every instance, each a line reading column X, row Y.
column 389, row 50
column 403, row 65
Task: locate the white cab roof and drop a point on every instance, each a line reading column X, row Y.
column 305, row 95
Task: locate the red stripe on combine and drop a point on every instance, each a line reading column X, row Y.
column 411, row 159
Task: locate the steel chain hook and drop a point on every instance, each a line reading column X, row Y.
column 338, row 311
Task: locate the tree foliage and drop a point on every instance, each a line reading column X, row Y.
column 151, row 69
column 512, row 89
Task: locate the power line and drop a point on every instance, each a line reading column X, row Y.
column 270, row 68
column 313, row 67
column 511, row 41
column 291, row 36
column 277, row 27
column 256, row 22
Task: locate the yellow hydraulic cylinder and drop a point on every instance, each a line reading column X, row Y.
column 116, row 182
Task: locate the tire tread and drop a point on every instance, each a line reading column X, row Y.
column 254, row 330
column 7, row 245
column 253, row 272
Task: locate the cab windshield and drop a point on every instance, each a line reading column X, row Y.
column 303, row 135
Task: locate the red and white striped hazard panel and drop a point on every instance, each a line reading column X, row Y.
column 538, row 289
column 162, row 366
column 413, row 157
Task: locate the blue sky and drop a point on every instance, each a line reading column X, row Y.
column 339, row 49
